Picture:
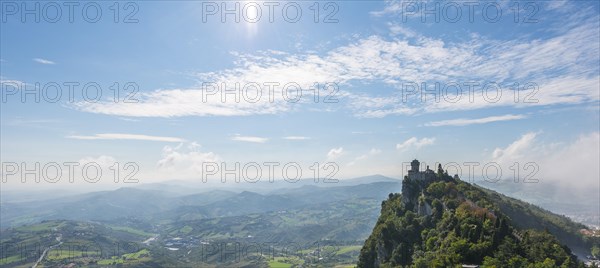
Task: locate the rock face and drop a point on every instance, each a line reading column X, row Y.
column 424, row 209
column 408, row 196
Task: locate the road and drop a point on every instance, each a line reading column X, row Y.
column 58, row 238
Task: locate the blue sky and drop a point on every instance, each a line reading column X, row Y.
column 372, row 51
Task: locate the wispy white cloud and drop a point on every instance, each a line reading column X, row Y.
column 392, row 7
column 397, row 29
column 250, row 139
column 129, row 119
column 415, row 142
column 184, row 102
column 515, row 149
column 466, row 121
column 361, row 132
column 296, row 138
column 103, row 161
column 335, row 153
column 557, row 4
column 122, row 136
column 363, row 157
column 43, row 61
column 563, row 65
column 187, row 161
column 11, row 83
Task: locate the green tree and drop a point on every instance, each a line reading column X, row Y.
column 596, row 251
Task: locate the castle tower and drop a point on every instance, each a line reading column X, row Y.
column 414, row 165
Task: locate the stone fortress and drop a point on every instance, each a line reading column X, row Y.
column 415, row 174
column 428, row 175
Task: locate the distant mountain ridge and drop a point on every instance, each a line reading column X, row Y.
column 165, row 200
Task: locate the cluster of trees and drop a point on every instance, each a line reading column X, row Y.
column 463, row 226
column 595, row 251
column 536, row 250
